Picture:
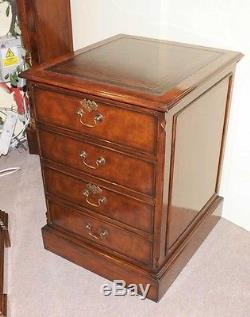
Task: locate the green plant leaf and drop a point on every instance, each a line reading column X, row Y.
column 8, row 11
column 13, row 79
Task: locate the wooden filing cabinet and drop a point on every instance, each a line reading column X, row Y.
column 131, row 136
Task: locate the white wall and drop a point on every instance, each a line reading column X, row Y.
column 4, row 20
column 218, row 23
column 94, row 20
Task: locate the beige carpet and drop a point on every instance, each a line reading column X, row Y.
column 215, row 283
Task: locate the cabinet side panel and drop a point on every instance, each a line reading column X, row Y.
column 24, row 16
column 197, row 134
column 46, row 28
column 53, row 28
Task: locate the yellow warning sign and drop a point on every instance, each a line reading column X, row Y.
column 11, row 59
column 9, row 53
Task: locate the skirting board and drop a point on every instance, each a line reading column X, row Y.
column 114, row 268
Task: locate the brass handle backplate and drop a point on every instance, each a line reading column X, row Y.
column 98, row 236
column 88, row 106
column 100, row 161
column 28, row 58
column 92, row 190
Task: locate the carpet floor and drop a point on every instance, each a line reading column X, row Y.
column 215, row 283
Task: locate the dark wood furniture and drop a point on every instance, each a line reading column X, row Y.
column 46, row 33
column 4, row 243
column 131, row 137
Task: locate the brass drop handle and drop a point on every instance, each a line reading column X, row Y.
column 92, row 190
column 89, row 106
column 102, row 235
column 100, row 161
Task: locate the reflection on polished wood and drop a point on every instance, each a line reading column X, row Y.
column 164, row 109
column 146, row 72
column 197, row 139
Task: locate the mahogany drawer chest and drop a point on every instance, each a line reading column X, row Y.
column 131, row 133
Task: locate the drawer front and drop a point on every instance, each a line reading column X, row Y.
column 101, row 233
column 102, row 162
column 106, row 202
column 104, row 121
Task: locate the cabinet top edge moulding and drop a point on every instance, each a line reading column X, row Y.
column 133, row 69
